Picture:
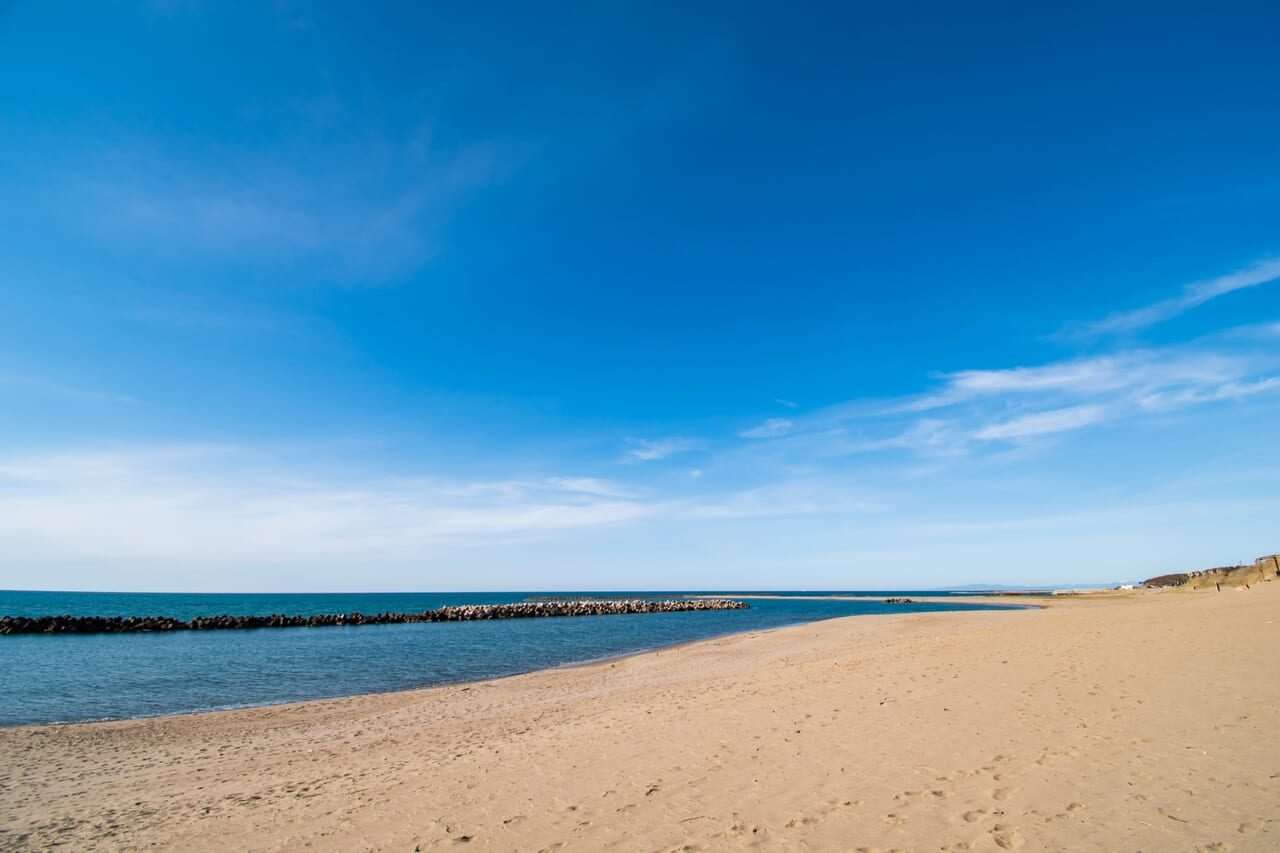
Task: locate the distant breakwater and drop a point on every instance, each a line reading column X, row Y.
column 463, row 613
column 632, row 597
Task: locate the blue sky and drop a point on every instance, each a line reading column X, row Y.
column 304, row 296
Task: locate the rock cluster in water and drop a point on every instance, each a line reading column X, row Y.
column 629, row 597
column 459, row 613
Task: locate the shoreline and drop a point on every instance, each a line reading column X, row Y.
column 467, row 684
column 567, row 664
column 885, row 731
column 571, row 665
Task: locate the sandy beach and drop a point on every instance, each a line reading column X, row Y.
column 1127, row 721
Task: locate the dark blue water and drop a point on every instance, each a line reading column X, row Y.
column 66, row 678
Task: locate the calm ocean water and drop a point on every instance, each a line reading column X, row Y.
column 70, row 678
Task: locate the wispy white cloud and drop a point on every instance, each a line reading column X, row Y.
column 94, row 466
column 1162, row 368
column 204, row 504
column 589, row 486
column 790, row 404
column 1192, row 295
column 336, row 215
column 796, row 496
column 926, row 436
column 207, row 505
column 1192, row 396
column 970, row 408
column 771, row 428
column 651, row 450
column 1043, row 423
column 50, row 388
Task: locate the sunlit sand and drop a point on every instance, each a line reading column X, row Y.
column 1142, row 720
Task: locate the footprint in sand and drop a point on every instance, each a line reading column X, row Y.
column 1002, row 794
column 1006, row 837
column 974, row 816
column 802, row 820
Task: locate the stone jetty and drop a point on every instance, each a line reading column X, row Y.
column 629, row 597
column 460, row 613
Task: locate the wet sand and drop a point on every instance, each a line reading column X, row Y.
column 1135, row 721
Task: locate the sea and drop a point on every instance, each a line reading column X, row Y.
column 82, row 677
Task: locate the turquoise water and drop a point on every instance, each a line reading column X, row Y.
column 72, row 678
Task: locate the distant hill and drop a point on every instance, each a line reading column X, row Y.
column 1263, row 569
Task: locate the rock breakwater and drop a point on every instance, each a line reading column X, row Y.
column 10, row 625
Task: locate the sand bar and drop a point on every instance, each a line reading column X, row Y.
column 1142, row 721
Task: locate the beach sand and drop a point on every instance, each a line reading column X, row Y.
column 1136, row 721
